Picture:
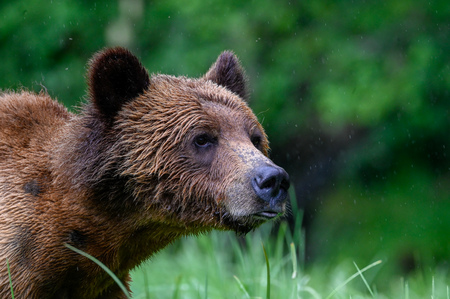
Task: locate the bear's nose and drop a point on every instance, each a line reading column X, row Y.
column 271, row 184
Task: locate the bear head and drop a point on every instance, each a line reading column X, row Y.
column 189, row 153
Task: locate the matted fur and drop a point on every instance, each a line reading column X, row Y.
column 148, row 160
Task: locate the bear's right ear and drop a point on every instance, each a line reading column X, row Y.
column 115, row 77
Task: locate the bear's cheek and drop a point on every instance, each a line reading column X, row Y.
column 241, row 200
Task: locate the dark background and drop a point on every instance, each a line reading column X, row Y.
column 354, row 96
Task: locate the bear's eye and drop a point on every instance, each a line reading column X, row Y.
column 204, row 140
column 256, row 140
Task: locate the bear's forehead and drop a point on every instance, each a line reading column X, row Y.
column 202, row 97
column 183, row 88
column 229, row 119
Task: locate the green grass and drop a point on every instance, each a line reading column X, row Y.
column 9, row 278
column 221, row 265
column 271, row 264
column 106, row 269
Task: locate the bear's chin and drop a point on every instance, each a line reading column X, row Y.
column 244, row 224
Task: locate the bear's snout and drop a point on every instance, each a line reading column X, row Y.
column 270, row 184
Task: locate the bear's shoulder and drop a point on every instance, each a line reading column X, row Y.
column 25, row 116
column 30, row 105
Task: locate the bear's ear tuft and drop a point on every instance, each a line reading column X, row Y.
column 115, row 77
column 227, row 72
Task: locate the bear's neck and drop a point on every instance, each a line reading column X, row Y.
column 112, row 217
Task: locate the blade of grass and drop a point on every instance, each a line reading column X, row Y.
column 298, row 233
column 10, row 280
column 364, row 279
column 106, row 269
column 147, row 291
column 352, row 277
column 177, row 287
column 432, row 288
column 268, row 272
column 247, row 295
column 406, row 290
column 312, row 292
column 237, row 250
column 278, row 249
column 294, row 261
column 206, row 287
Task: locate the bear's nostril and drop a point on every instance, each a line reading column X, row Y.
column 271, row 183
column 285, row 183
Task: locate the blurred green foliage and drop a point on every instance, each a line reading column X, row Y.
column 377, row 72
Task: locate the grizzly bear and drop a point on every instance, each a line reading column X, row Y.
column 148, row 159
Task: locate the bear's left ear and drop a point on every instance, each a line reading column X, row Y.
column 115, row 77
column 227, row 72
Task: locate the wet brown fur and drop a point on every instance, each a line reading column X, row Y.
column 122, row 179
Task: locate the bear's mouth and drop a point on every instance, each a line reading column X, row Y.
column 242, row 225
column 266, row 215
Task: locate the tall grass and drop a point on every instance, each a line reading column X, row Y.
column 222, row 265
